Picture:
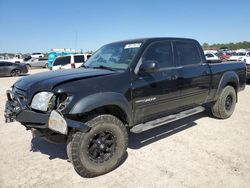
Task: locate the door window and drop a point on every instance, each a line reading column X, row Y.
column 62, row 61
column 79, row 59
column 187, row 53
column 161, row 52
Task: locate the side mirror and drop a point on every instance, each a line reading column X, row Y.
column 148, row 66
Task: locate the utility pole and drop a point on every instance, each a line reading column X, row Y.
column 76, row 38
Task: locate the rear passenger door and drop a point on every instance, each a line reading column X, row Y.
column 79, row 60
column 65, row 62
column 155, row 94
column 194, row 74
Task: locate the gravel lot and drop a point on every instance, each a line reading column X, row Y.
column 199, row 151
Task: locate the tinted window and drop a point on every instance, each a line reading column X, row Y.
column 187, row 53
column 240, row 54
column 160, row 52
column 2, row 64
column 88, row 56
column 42, row 59
column 62, row 61
column 209, row 55
column 7, row 64
column 79, row 59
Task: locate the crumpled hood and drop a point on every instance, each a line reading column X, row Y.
column 46, row 81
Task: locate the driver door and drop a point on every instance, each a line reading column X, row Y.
column 155, row 94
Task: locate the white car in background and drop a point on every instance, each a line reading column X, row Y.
column 37, row 55
column 16, row 59
column 238, row 56
column 70, row 61
column 212, row 58
column 246, row 58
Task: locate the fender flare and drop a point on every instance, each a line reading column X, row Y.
column 97, row 100
column 227, row 77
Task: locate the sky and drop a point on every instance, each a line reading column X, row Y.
column 28, row 26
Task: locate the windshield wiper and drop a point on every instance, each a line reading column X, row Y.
column 104, row 67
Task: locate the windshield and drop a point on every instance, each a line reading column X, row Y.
column 116, row 56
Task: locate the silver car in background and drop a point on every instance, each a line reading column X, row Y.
column 37, row 62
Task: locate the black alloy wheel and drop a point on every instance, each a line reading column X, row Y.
column 102, row 147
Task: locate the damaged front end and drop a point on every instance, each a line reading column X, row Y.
column 44, row 112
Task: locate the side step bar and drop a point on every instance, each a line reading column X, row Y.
column 164, row 120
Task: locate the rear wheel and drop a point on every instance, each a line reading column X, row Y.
column 225, row 105
column 15, row 73
column 101, row 149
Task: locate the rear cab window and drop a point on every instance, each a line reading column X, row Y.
column 187, row 53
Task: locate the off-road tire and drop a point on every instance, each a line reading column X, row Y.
column 84, row 165
column 68, row 148
column 220, row 109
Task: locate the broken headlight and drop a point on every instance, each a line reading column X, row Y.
column 41, row 101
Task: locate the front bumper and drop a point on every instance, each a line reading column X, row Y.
column 15, row 111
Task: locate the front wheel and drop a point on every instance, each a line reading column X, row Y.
column 46, row 66
column 225, row 105
column 101, row 149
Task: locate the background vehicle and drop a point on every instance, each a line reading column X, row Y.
column 37, row 55
column 248, row 71
column 16, row 59
column 12, row 69
column 212, row 58
column 223, row 49
column 70, row 61
column 57, row 53
column 131, row 85
column 237, row 56
column 246, row 58
column 37, row 62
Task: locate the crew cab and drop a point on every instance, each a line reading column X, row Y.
column 131, row 85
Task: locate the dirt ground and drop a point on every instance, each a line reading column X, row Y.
column 198, row 151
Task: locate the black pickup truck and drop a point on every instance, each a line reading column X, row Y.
column 132, row 85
